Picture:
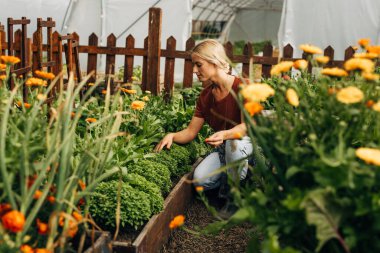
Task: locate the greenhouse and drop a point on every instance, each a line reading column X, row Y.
column 189, row 126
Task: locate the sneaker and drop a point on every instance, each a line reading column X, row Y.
column 228, row 210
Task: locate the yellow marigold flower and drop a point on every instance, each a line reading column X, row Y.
column 370, row 76
column 128, row 91
column 35, row 82
column 91, row 120
column 292, row 97
column 376, row 106
column 365, row 55
column 135, row 78
column 46, row 75
column 178, row 221
column 369, row 155
column 3, row 77
column 300, row 64
column 364, row 65
column 282, row 67
column 26, row 249
column 322, row 59
column 8, row 59
column 91, row 84
column 256, row 92
column 41, row 96
column 253, row 107
column 145, row 98
column 364, row 42
column 137, row 105
column 350, row 95
column 373, row 49
column 337, row 72
column 310, row 49
column 3, row 66
column 199, row 188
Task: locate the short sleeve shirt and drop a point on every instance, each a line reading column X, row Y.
column 220, row 115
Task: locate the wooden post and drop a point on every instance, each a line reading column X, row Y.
column 2, row 38
column 329, row 51
column 56, row 57
column 110, row 61
column 92, row 58
column 169, row 68
column 154, row 50
column 144, row 85
column 229, row 48
column 188, row 68
column 247, row 51
column 288, row 51
column 349, row 53
column 128, row 61
column 267, row 52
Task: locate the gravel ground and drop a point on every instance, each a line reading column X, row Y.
column 233, row 240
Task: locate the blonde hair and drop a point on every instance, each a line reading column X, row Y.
column 212, row 51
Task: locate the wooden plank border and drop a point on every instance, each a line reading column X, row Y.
column 157, row 232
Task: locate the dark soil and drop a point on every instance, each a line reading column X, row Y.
column 232, row 240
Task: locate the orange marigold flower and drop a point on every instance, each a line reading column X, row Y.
column 364, row 42
column 30, row 180
column 42, row 227
column 310, row 49
column 332, row 90
column 35, row 82
column 72, row 115
column 77, row 216
column 292, row 97
column 82, row 184
column 178, row 221
column 350, row 95
column 281, row 67
column 26, row 105
column 364, row 65
column 322, row 59
column 373, row 49
column 257, row 92
column 300, row 64
column 369, row 155
column 91, row 120
column 365, row 55
column 37, row 194
column 370, row 103
column 199, row 188
column 336, row 72
column 46, row 75
column 26, row 249
column 370, row 76
column 73, row 229
column 253, row 107
column 376, row 106
column 237, row 135
column 13, row 221
column 286, row 77
column 51, row 199
column 3, row 77
column 104, row 92
column 2, row 66
column 137, row 105
column 9, row 59
column 42, row 251
column 128, row 91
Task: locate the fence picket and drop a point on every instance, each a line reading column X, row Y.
column 169, row 68
column 128, row 61
column 188, row 67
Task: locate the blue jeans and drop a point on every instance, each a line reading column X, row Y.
column 206, row 174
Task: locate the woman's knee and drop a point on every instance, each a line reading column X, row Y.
column 238, row 149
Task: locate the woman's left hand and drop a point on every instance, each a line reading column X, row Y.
column 216, row 139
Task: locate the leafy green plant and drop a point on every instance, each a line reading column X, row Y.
column 135, row 206
column 153, row 172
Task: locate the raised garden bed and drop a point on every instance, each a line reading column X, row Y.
column 156, row 232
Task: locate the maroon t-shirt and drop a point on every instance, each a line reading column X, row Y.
column 220, row 115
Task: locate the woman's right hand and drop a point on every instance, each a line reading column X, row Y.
column 166, row 141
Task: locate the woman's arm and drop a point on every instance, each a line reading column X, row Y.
column 186, row 135
column 236, row 132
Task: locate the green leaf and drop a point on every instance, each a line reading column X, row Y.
column 292, row 171
column 322, row 212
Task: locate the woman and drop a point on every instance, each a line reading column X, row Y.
column 217, row 107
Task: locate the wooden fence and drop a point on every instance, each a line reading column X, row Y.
column 152, row 54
